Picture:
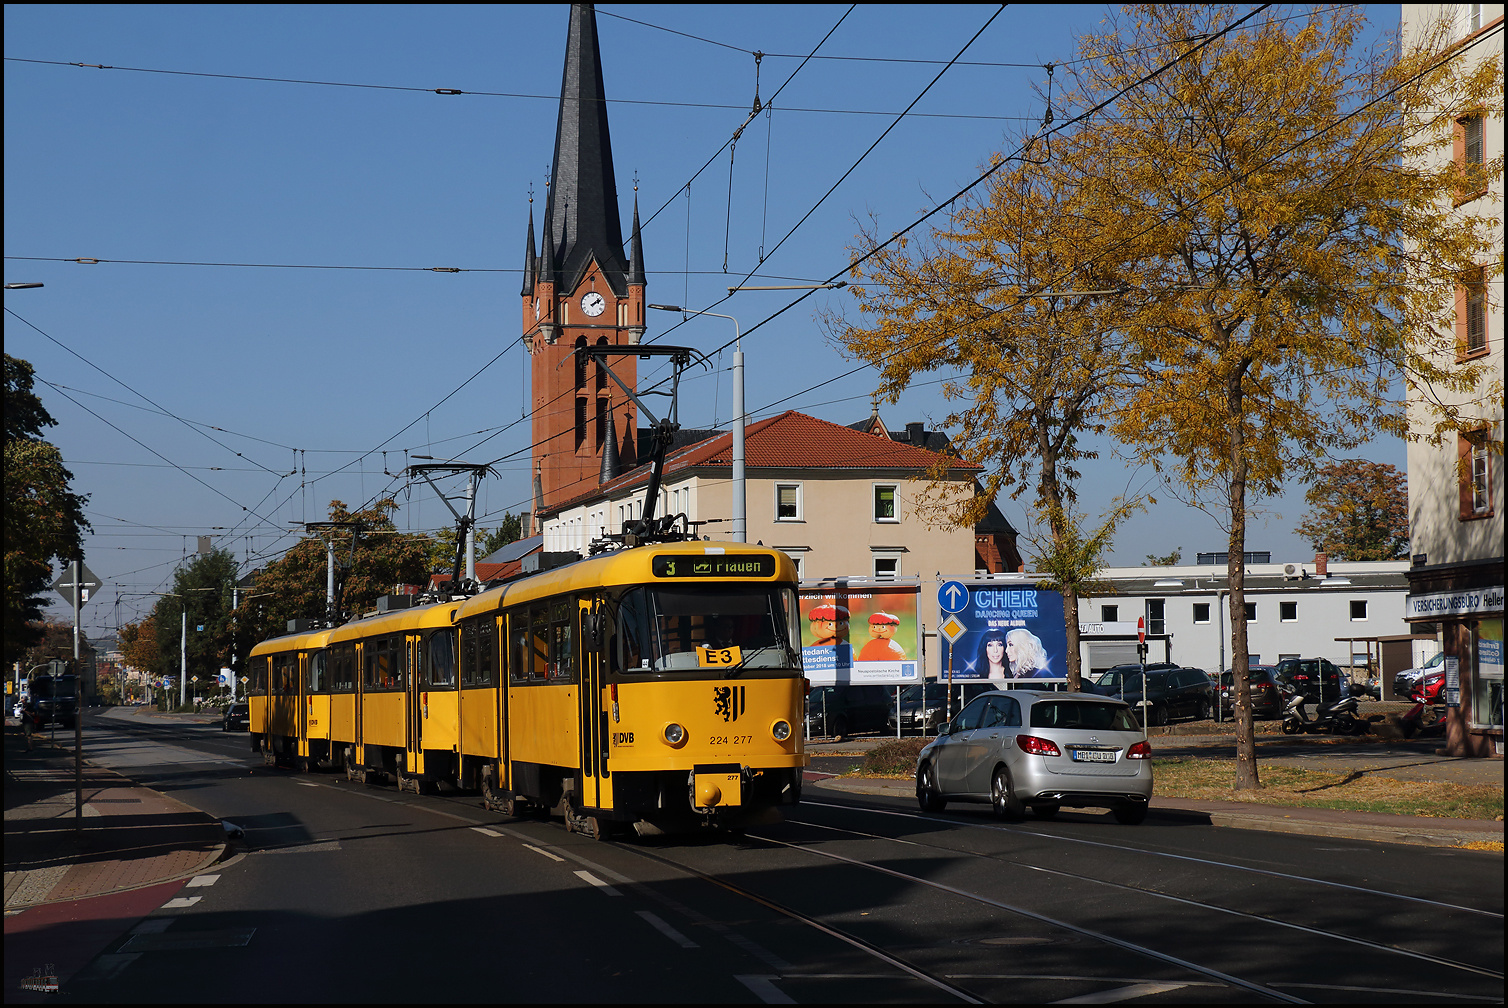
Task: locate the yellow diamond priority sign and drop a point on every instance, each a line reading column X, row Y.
column 952, row 629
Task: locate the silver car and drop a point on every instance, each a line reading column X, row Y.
column 1021, row 749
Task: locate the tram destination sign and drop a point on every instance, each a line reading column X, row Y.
column 694, row 565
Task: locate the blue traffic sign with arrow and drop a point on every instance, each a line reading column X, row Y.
column 952, row 596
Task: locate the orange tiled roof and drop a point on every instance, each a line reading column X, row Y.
column 789, row 440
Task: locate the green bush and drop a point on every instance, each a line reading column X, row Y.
column 896, row 758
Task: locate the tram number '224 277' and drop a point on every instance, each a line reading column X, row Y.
column 730, row 739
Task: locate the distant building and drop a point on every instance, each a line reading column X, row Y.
column 1349, row 612
column 840, row 502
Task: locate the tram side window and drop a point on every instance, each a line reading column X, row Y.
column 439, row 660
column 563, row 640
column 382, row 660
column 343, row 668
column 285, row 675
column 318, row 679
column 468, row 653
column 258, row 673
column 633, row 629
column 539, row 644
column 486, row 651
column 518, row 646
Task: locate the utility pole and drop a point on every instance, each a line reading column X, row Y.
column 465, row 524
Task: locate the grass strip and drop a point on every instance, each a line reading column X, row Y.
column 1365, row 791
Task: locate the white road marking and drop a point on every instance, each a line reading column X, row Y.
column 181, row 902
column 202, row 880
column 764, row 988
column 607, row 890
column 1122, row 993
column 486, row 832
column 541, row 850
column 665, row 929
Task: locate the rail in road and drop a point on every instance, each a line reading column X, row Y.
column 856, row 899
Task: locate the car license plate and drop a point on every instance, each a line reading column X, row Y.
column 1093, row 756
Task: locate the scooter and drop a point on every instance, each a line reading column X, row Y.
column 1422, row 719
column 1337, row 717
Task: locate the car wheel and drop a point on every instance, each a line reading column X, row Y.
column 1157, row 716
column 1205, row 710
column 1007, row 805
column 927, row 795
column 837, row 727
column 1130, row 813
column 1045, row 811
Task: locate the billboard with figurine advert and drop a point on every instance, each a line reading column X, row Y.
column 868, row 634
column 1006, row 633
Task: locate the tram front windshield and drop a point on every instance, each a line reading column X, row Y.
column 755, row 619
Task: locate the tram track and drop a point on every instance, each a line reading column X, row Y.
column 1058, row 837
column 1180, row 900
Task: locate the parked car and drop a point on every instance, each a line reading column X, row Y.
column 1266, row 692
column 1405, row 682
column 1431, row 689
column 1316, row 678
column 237, row 717
column 1171, row 691
column 843, row 710
column 924, row 707
column 1023, row 749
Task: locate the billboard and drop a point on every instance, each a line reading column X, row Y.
column 864, row 635
column 1008, row 633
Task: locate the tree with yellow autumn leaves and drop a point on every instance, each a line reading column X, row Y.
column 1241, row 226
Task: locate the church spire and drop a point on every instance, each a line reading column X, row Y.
column 582, row 215
column 531, row 257
column 635, row 248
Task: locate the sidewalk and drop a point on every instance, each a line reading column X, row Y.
column 132, row 836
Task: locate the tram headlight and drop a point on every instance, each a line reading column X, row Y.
column 781, row 730
column 674, row 734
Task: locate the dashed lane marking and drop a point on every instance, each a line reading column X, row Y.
column 607, row 890
column 665, row 929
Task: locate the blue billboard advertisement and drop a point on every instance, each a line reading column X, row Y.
column 1008, row 633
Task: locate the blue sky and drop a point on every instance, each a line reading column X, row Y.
column 321, row 382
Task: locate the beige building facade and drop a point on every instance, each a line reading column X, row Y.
column 1456, row 487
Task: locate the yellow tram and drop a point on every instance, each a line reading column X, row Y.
column 657, row 687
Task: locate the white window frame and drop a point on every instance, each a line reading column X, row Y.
column 1201, row 621
column 1251, row 612
column 1288, row 619
column 1363, row 617
column 1109, row 613
column 800, row 500
column 874, row 501
column 888, row 554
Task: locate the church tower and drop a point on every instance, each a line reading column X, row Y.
column 580, row 289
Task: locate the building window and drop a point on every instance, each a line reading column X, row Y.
column 788, row 502
column 886, row 568
column 1155, row 613
column 1109, row 613
column 886, row 506
column 1201, row 612
column 1251, row 612
column 1470, row 156
column 1288, row 612
column 1474, row 451
column 1358, row 610
column 1471, row 314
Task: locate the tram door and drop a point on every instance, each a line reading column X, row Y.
column 413, row 711
column 597, row 787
